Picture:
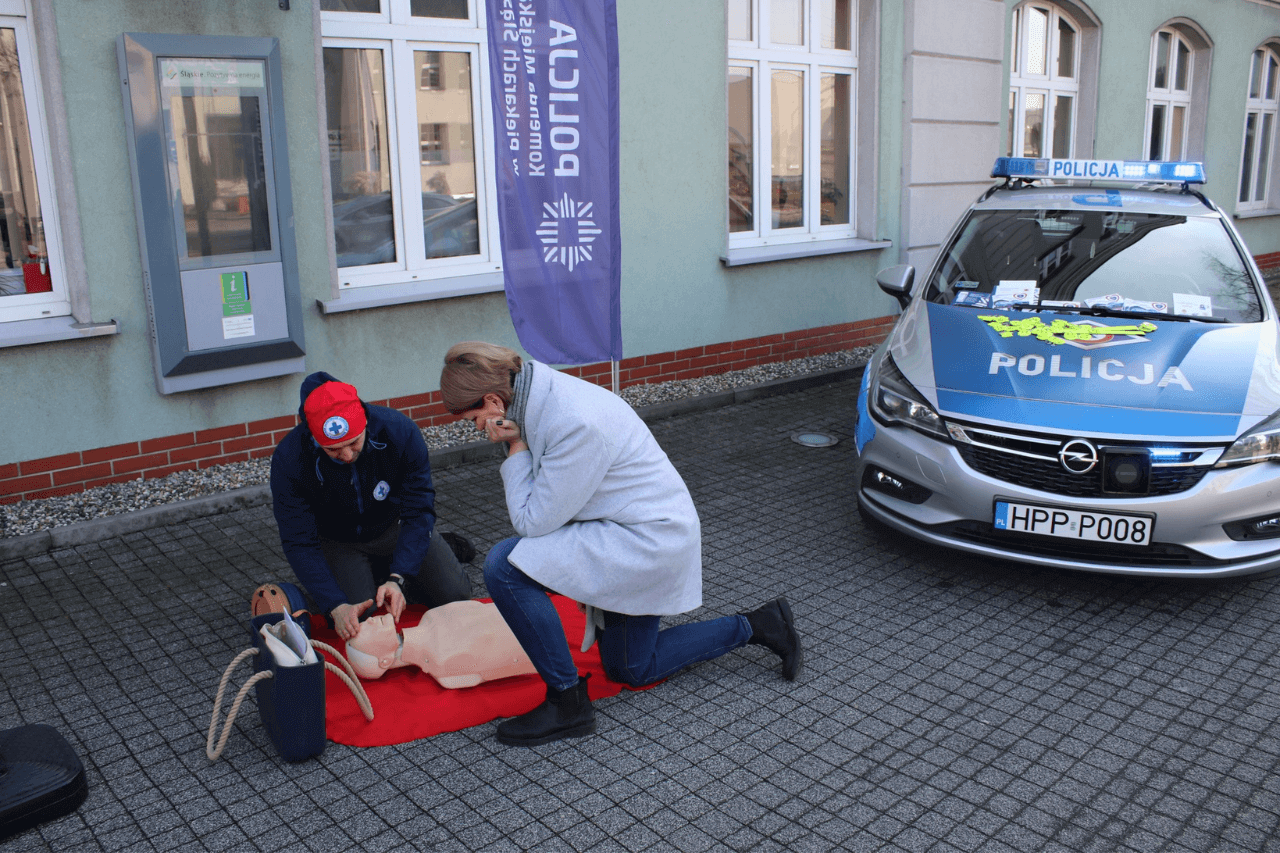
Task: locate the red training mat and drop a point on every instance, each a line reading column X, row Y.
column 408, row 704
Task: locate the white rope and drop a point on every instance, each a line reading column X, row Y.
column 349, row 678
column 209, row 749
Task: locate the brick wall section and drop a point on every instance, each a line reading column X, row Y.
column 1269, row 264
column 157, row 457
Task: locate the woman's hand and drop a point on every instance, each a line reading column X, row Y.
column 505, row 430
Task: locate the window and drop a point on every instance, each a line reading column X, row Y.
column 404, row 100
column 1259, row 131
column 33, row 283
column 1168, row 96
column 791, row 87
column 1044, row 84
column 430, row 76
column 1176, row 93
column 434, row 151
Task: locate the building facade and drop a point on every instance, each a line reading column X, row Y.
column 857, row 130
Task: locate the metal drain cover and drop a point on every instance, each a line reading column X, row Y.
column 813, row 439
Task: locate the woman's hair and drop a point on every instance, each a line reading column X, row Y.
column 475, row 368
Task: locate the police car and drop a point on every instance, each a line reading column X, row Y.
column 1087, row 378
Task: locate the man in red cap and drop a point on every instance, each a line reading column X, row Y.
column 352, row 495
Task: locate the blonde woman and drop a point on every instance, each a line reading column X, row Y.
column 602, row 517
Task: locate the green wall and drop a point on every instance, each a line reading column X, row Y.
column 675, row 292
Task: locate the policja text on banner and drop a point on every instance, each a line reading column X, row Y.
column 554, row 73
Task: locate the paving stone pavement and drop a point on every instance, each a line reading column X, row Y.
column 947, row 704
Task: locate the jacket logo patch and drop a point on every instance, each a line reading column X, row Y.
column 1085, row 334
column 381, row 491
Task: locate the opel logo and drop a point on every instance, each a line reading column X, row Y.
column 1078, row 456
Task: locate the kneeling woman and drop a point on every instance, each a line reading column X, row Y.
column 603, row 518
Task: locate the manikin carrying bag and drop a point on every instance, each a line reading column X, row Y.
column 289, row 677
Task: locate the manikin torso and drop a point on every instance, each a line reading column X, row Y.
column 459, row 644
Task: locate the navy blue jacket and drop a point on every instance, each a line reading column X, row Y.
column 389, row 482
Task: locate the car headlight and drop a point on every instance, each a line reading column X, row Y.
column 1260, row 444
column 894, row 400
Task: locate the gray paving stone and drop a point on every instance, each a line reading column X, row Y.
column 948, row 704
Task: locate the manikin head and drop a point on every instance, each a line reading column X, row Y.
column 376, row 648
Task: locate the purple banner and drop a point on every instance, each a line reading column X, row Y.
column 554, row 67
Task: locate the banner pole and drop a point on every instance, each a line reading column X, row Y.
column 615, row 377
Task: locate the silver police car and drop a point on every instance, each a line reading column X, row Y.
column 1087, row 378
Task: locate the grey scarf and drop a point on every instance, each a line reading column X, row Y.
column 520, row 384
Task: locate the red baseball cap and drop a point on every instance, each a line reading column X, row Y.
column 334, row 413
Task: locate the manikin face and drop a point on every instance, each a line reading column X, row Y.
column 378, row 638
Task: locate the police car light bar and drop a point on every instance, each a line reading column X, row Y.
column 1132, row 171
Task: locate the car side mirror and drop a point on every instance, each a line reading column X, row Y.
column 897, row 281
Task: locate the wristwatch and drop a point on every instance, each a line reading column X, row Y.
column 399, row 580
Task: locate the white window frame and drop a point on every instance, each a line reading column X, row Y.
column 1049, row 84
column 398, row 35
column 809, row 58
column 57, row 302
column 1169, row 96
column 1260, row 106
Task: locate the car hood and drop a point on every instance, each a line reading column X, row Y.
column 1090, row 375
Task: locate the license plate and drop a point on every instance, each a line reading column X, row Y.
column 1065, row 523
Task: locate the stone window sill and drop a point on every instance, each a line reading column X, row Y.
column 736, row 257
column 50, row 329
column 382, row 295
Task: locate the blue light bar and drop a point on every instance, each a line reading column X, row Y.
column 1129, row 171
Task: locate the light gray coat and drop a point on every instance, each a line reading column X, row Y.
column 605, row 518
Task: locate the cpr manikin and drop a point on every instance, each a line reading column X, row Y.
column 459, row 644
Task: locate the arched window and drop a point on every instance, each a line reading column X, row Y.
column 1176, row 93
column 1168, row 96
column 1261, row 106
column 1044, row 82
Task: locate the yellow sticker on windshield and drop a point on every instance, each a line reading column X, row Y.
column 1059, row 331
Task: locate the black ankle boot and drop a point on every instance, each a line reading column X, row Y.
column 773, row 627
column 565, row 713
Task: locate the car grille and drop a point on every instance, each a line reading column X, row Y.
column 1030, row 460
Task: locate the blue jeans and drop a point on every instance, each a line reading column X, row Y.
column 632, row 648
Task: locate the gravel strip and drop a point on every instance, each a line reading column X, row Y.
column 27, row 517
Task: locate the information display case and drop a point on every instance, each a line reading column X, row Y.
column 207, row 146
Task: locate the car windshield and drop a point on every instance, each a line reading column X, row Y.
column 1074, row 260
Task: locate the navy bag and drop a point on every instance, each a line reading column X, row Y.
column 290, row 698
column 291, row 703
